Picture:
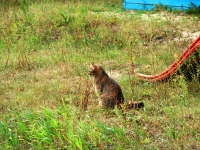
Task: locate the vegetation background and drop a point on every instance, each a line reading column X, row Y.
column 47, row 100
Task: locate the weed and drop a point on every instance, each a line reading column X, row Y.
column 193, row 9
column 87, row 93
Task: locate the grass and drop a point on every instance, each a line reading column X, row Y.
column 46, row 48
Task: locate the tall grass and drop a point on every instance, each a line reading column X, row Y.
column 47, row 99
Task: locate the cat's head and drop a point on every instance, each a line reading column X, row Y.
column 95, row 70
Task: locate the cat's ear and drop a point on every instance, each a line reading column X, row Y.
column 93, row 65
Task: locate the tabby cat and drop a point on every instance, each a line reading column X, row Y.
column 109, row 90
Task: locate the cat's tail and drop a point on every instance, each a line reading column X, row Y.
column 134, row 105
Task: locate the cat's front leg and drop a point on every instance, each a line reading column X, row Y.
column 107, row 101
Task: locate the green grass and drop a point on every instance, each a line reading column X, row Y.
column 46, row 48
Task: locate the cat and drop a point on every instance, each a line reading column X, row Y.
column 109, row 90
